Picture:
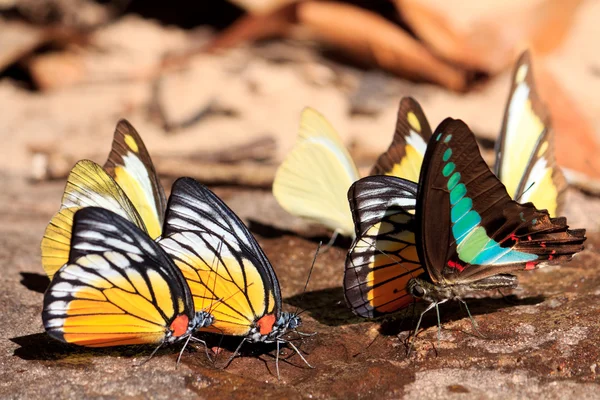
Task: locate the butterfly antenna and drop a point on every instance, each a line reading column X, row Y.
column 525, row 191
column 473, row 322
column 329, row 244
column 312, row 266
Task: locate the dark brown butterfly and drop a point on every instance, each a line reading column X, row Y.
column 467, row 233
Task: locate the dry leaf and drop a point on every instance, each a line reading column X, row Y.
column 361, row 35
column 494, row 38
column 56, row 70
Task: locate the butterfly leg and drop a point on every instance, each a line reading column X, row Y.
column 437, row 311
column 297, row 352
column 429, row 307
column 234, row 353
column 473, row 322
column 151, row 355
column 277, row 360
column 182, row 349
column 205, row 347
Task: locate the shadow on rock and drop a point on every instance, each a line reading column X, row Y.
column 41, row 347
column 326, row 306
column 34, row 281
column 451, row 311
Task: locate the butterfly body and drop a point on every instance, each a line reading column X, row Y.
column 268, row 329
column 424, row 289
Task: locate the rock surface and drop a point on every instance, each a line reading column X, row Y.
column 541, row 341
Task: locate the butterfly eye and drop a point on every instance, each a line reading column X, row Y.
column 416, row 290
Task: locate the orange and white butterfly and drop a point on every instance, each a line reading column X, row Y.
column 127, row 185
column 118, row 287
column 225, row 268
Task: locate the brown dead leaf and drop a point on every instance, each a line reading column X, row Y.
column 56, row 70
column 359, row 34
column 493, row 39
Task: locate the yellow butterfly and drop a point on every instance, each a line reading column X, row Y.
column 127, row 185
column 314, row 179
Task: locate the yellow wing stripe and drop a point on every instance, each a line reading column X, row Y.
column 140, row 196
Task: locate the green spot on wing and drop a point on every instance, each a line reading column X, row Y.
column 448, row 168
column 460, row 209
column 454, row 179
column 447, row 154
column 457, row 193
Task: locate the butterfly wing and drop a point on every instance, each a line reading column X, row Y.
column 313, row 180
column 383, row 257
column 130, row 165
column 88, row 185
column 469, row 227
column 405, row 155
column 226, row 270
column 118, row 288
column 525, row 150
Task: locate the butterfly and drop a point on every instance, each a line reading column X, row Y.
column 466, row 234
column 225, row 268
column 313, row 180
column 118, row 287
column 127, row 185
column 525, row 160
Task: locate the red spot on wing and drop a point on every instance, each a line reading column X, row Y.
column 530, row 265
column 455, row 265
column 543, row 244
column 179, row 325
column 265, row 324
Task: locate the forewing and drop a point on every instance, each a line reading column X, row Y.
column 226, row 269
column 88, row 185
column 130, row 165
column 469, row 227
column 525, row 160
column 118, row 288
column 313, row 180
column 405, row 155
column 383, row 257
